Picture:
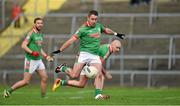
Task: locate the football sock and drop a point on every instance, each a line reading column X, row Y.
column 43, row 95
column 64, row 82
column 97, row 91
column 64, row 68
column 10, row 90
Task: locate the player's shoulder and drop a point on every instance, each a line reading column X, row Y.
column 30, row 33
column 82, row 28
column 105, row 45
column 99, row 24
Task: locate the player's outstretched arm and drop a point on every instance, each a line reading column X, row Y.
column 111, row 32
column 64, row 46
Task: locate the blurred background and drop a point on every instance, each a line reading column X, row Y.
column 150, row 56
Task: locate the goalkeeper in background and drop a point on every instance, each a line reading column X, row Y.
column 105, row 51
column 32, row 45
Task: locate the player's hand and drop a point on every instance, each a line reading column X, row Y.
column 35, row 54
column 55, row 52
column 49, row 58
column 122, row 36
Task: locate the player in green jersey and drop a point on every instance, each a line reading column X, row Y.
column 89, row 34
column 104, row 52
column 32, row 45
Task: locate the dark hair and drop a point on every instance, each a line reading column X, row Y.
column 38, row 18
column 93, row 12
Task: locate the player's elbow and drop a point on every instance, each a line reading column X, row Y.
column 26, row 82
column 23, row 45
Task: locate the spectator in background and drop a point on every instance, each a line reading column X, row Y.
column 146, row 2
column 134, row 2
column 16, row 11
column 24, row 16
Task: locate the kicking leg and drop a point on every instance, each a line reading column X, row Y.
column 79, row 84
column 73, row 73
column 74, row 83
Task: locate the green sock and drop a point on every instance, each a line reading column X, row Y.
column 64, row 82
column 43, row 95
column 10, row 90
column 64, row 69
column 97, row 91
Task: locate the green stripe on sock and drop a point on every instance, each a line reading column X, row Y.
column 64, row 68
column 97, row 91
column 10, row 90
column 64, row 82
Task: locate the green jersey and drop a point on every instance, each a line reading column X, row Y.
column 34, row 40
column 90, row 37
column 105, row 51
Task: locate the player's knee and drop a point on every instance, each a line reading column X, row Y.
column 44, row 79
column 102, row 77
column 26, row 82
column 74, row 75
column 99, row 75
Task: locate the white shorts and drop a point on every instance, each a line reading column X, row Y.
column 85, row 57
column 31, row 66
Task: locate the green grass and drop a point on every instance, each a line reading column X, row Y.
column 71, row 96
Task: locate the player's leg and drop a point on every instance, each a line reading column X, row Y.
column 98, row 78
column 43, row 75
column 98, row 92
column 76, row 70
column 106, row 75
column 95, row 61
column 102, row 78
column 102, row 82
column 73, row 73
column 25, row 81
column 83, row 59
column 64, row 68
column 75, row 83
column 29, row 70
column 79, row 84
column 19, row 84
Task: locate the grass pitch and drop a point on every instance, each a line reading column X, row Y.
column 30, row 95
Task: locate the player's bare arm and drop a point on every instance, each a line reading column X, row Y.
column 65, row 45
column 25, row 47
